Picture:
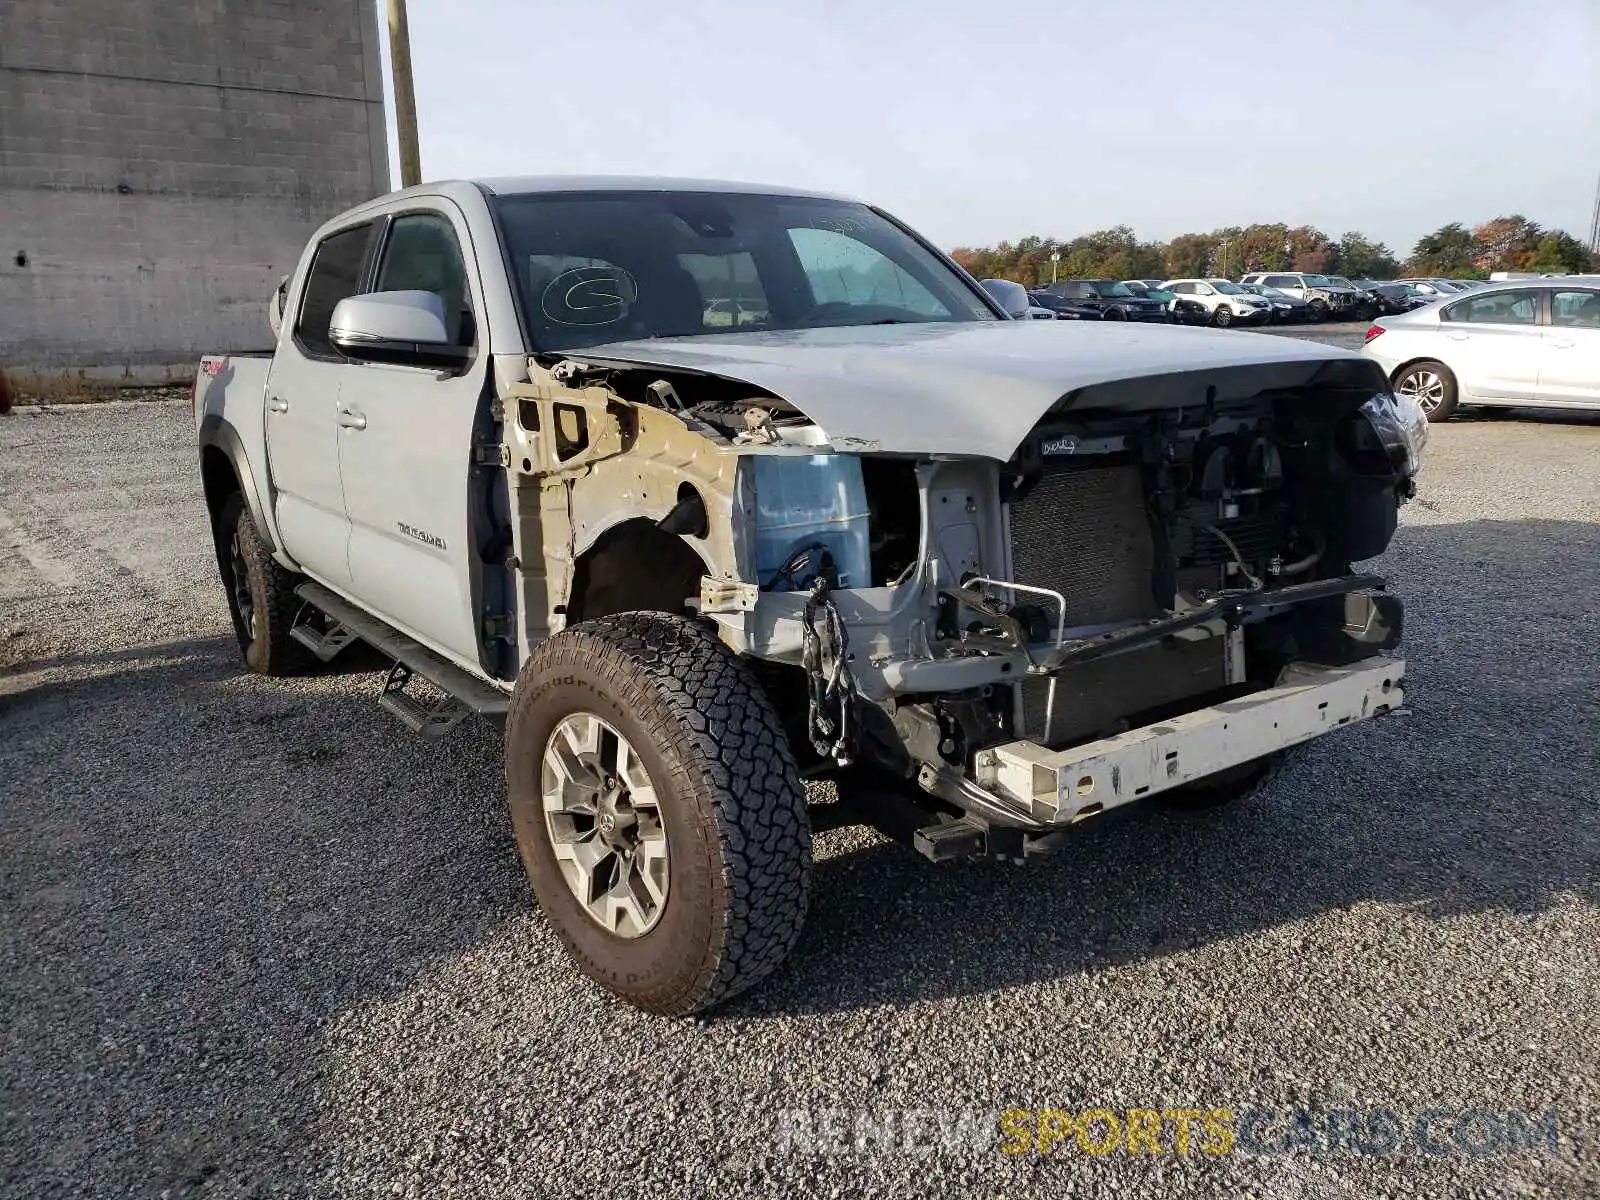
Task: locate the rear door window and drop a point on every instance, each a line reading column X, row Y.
column 1497, row 308
column 335, row 273
column 730, row 289
column 1576, row 308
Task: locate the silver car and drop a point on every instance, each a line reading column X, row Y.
column 1525, row 343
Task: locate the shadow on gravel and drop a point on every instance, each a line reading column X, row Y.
column 1532, row 416
column 1483, row 799
column 199, row 870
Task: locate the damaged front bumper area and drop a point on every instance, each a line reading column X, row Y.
column 1053, row 788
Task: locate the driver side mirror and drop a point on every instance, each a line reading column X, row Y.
column 1012, row 297
column 399, row 327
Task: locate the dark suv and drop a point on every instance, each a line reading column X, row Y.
column 1111, row 299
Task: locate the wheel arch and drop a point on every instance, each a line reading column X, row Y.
column 635, row 566
column 225, row 469
column 1422, row 358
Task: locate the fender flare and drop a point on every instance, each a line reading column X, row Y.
column 215, row 432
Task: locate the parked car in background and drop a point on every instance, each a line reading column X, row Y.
column 1416, row 292
column 1325, row 298
column 1501, row 344
column 1111, row 299
column 1184, row 311
column 1061, row 309
column 1286, row 309
column 1225, row 301
column 1367, row 305
column 1394, row 298
column 1434, row 289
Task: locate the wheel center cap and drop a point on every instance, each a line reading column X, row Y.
column 608, row 823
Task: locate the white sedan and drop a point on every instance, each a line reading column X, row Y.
column 1534, row 344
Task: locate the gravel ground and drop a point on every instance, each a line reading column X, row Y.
column 257, row 940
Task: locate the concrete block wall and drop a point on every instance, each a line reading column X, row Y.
column 161, row 165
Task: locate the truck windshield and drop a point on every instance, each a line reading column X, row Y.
column 608, row 266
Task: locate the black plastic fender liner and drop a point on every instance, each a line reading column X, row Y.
column 215, row 432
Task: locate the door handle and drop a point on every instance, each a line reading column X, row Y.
column 1459, row 337
column 351, row 419
column 277, row 404
column 1563, row 345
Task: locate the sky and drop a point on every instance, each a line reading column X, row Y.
column 977, row 122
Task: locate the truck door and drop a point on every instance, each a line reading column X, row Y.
column 302, row 412
column 406, row 446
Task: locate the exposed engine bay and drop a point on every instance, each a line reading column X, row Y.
column 1132, row 560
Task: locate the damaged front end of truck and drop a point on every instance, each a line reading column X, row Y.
column 991, row 597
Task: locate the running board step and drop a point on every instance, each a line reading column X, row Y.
column 429, row 720
column 463, row 691
column 325, row 644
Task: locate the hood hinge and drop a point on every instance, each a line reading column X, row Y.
column 491, row 454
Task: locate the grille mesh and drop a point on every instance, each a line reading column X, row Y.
column 1085, row 534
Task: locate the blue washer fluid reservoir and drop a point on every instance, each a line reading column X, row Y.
column 806, row 499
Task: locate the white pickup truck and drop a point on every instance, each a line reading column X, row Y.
column 711, row 489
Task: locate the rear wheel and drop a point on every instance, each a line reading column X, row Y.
column 261, row 595
column 1432, row 385
column 658, row 810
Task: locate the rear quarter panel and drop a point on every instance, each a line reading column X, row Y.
column 230, row 414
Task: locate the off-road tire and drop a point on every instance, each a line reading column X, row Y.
column 730, row 798
column 1446, row 407
column 265, row 644
column 1319, row 310
column 1227, row 787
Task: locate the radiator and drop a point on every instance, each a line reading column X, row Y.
column 1084, row 533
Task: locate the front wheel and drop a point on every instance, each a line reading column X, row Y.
column 1227, row 787
column 1223, row 317
column 1432, row 385
column 1319, row 310
column 658, row 810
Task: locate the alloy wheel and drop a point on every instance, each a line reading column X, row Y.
column 604, row 823
column 1426, row 387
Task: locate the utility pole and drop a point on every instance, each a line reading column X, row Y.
column 1594, row 224
column 1055, row 258
column 405, row 97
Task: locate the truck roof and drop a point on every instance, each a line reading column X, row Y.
column 521, row 184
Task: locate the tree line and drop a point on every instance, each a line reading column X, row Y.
column 1511, row 243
